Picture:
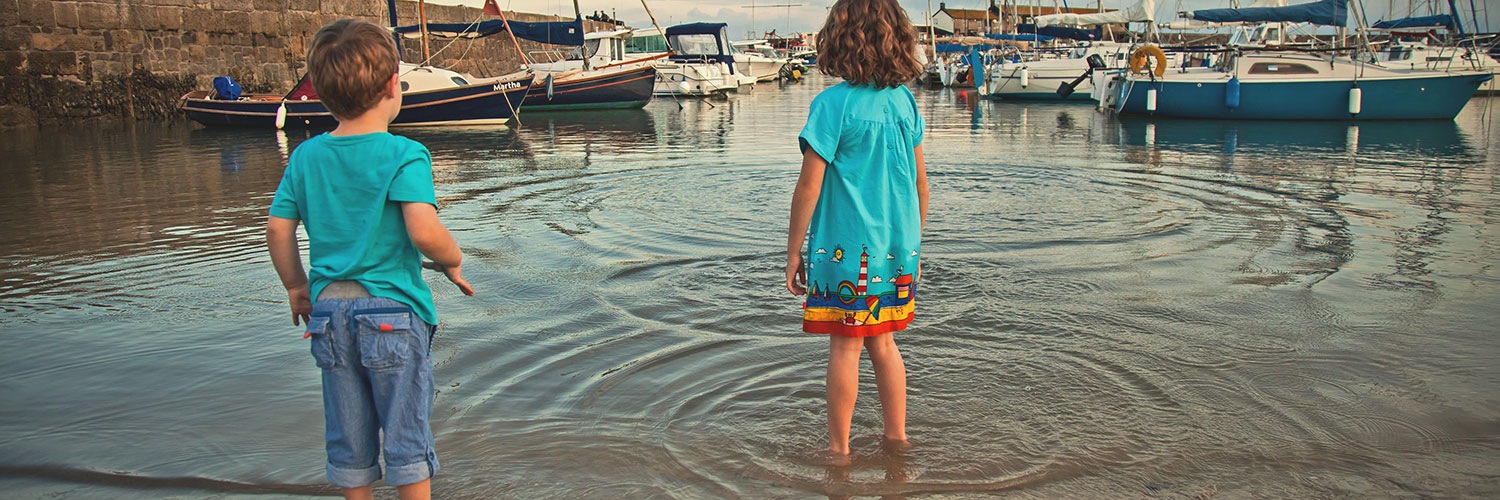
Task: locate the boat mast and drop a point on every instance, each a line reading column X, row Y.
column 931, row 32
column 422, row 20
column 586, row 54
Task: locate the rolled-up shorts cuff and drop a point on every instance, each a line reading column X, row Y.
column 353, row 478
column 401, row 475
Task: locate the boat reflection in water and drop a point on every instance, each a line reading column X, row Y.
column 1291, row 139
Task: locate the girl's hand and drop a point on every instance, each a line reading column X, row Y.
column 454, row 274
column 796, row 274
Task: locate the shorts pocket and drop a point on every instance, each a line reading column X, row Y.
column 318, row 326
column 387, row 338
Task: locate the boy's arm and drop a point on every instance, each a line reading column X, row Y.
column 434, row 241
column 804, row 200
column 281, row 240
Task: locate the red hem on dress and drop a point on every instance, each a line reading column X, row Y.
column 832, row 328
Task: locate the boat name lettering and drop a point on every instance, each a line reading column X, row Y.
column 507, row 85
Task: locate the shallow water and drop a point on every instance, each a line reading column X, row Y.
column 1111, row 309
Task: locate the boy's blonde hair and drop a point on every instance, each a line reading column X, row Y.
column 350, row 61
column 869, row 42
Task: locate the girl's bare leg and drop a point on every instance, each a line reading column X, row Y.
column 890, row 379
column 843, row 388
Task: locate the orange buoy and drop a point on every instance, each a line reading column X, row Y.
column 1138, row 60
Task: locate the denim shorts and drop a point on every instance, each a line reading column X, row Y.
column 377, row 378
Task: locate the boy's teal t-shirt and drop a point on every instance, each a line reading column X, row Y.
column 347, row 190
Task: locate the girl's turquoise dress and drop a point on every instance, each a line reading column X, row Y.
column 865, row 235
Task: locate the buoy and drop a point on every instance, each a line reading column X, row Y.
column 281, row 114
column 1232, row 93
column 1025, row 77
column 1354, row 99
column 1151, row 100
column 796, row 74
column 1138, row 60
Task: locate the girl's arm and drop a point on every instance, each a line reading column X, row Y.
column 921, row 184
column 804, row 200
column 921, row 196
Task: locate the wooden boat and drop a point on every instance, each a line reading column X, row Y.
column 429, row 96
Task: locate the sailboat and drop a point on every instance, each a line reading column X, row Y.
column 1302, row 84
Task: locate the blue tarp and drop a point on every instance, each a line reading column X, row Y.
column 1441, row 21
column 1019, row 38
column 951, row 48
column 696, row 29
column 556, row 33
column 1060, row 32
column 1326, row 12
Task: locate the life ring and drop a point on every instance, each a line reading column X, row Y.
column 1138, row 60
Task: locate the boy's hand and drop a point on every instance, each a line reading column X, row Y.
column 796, row 274
column 301, row 300
column 454, row 274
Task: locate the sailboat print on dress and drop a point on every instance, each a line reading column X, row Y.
column 856, row 308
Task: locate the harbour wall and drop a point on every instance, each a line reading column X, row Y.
column 70, row 60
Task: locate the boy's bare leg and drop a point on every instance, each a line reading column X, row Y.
column 843, row 388
column 890, row 379
column 361, row 493
column 416, row 491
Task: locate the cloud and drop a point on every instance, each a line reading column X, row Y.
column 913, row 253
column 875, row 279
column 890, row 257
column 820, row 250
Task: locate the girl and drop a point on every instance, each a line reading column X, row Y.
column 861, row 202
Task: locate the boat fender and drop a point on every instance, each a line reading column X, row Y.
column 281, row 114
column 1151, row 100
column 549, row 86
column 1138, row 63
column 1232, row 93
column 1355, row 96
column 1025, row 77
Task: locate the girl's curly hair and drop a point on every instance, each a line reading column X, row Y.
column 869, row 42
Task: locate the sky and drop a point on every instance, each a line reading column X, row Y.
column 807, row 15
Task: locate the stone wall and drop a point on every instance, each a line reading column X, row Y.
column 63, row 60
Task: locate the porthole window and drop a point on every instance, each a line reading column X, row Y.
column 1281, row 69
column 460, row 81
column 405, row 86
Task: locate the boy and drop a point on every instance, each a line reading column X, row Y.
column 367, row 199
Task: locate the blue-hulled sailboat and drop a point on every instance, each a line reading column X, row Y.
column 1295, row 85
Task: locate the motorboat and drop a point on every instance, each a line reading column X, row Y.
column 757, row 59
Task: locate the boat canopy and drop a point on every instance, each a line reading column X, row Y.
column 696, row 29
column 1020, row 38
column 700, row 42
column 1059, row 32
column 1326, row 13
column 1439, row 21
column 556, row 33
column 1142, row 12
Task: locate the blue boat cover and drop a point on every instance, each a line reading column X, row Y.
column 1020, row 38
column 1326, row 12
column 1440, row 21
column 696, row 29
column 1060, row 32
column 226, row 89
column 556, row 33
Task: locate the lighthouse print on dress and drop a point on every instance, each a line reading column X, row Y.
column 856, row 307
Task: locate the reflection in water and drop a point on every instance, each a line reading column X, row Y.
column 1113, row 309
